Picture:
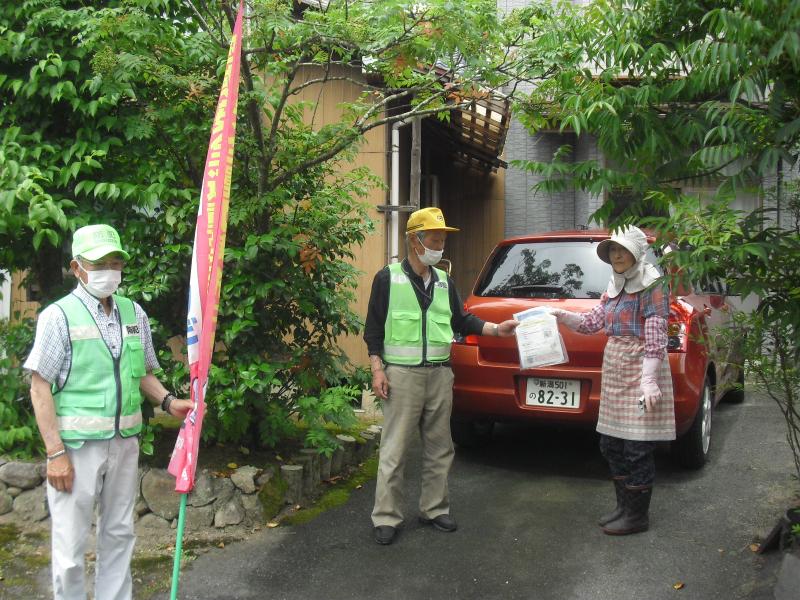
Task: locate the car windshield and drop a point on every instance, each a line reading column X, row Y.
column 547, row 270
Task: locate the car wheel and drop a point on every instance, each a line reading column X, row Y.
column 470, row 434
column 736, row 394
column 691, row 449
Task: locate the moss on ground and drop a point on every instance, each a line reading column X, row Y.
column 22, row 557
column 151, row 574
column 337, row 495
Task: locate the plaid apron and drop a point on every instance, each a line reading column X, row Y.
column 619, row 394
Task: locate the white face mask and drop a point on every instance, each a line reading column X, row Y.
column 101, row 284
column 431, row 257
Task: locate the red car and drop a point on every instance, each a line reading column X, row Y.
column 561, row 269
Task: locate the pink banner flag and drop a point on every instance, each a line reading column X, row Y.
column 209, row 247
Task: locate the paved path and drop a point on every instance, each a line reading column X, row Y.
column 526, row 508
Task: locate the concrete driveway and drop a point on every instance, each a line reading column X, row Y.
column 526, row 507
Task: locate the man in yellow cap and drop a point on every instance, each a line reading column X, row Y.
column 91, row 361
column 413, row 311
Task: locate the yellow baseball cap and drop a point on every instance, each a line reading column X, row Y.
column 96, row 241
column 426, row 219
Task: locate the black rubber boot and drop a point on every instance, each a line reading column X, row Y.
column 619, row 490
column 634, row 518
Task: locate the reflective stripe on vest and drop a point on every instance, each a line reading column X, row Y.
column 407, row 339
column 99, row 423
column 100, row 396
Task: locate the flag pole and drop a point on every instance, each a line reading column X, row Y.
column 205, row 280
column 176, row 565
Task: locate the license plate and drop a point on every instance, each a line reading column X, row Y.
column 553, row 393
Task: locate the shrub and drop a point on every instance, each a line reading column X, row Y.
column 17, row 422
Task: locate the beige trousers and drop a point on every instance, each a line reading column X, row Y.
column 420, row 399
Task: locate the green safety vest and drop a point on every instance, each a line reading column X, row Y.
column 100, row 396
column 412, row 335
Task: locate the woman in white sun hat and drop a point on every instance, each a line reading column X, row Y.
column 636, row 402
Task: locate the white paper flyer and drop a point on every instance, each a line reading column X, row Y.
column 538, row 339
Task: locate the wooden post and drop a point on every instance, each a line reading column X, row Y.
column 308, row 483
column 325, row 467
column 368, row 446
column 293, row 476
column 416, row 161
column 336, row 461
column 349, row 456
column 314, row 464
column 376, row 431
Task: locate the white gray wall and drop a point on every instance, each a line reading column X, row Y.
column 529, row 210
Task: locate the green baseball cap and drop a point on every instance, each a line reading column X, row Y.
column 93, row 242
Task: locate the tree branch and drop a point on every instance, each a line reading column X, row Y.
column 204, row 23
column 276, row 117
column 705, row 174
column 354, row 134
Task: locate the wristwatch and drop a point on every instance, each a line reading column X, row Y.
column 496, row 330
column 167, row 401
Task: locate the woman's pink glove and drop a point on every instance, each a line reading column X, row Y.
column 570, row 319
column 649, row 384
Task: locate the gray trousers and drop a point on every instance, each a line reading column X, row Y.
column 420, row 400
column 106, row 478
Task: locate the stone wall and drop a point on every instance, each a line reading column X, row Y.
column 248, row 496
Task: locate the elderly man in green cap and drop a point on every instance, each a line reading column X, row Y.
column 413, row 311
column 91, row 362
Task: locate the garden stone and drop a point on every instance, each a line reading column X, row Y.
column 253, row 509
column 3, row 487
column 199, row 518
column 152, row 521
column 231, row 513
column 158, row 490
column 203, row 492
column 265, row 477
column 243, row 478
column 21, row 474
column 31, row 505
column 6, row 503
column 3, row 460
column 223, row 490
column 141, row 507
column 13, row 491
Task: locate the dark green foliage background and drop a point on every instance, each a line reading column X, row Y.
column 105, row 114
